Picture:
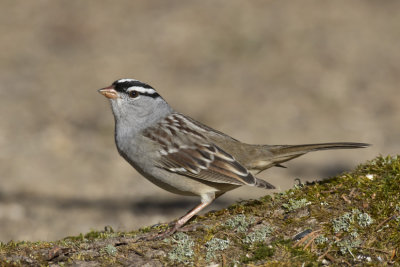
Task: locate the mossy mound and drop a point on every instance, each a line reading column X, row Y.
column 351, row 219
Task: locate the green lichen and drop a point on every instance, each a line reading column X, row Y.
column 182, row 249
column 296, row 204
column 240, row 223
column 214, row 245
column 364, row 219
column 321, row 239
column 258, row 235
column 344, row 222
column 346, row 245
column 110, row 250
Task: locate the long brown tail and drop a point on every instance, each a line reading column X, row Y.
column 289, row 149
column 282, row 153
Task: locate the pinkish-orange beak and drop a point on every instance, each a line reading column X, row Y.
column 109, row 92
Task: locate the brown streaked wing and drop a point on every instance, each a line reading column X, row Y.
column 187, row 151
column 207, row 162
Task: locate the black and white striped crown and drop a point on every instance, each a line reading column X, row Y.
column 128, row 85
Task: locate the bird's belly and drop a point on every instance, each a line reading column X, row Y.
column 169, row 181
column 179, row 184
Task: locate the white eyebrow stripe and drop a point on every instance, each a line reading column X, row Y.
column 127, row 80
column 141, row 90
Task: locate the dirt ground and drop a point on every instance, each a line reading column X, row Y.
column 275, row 72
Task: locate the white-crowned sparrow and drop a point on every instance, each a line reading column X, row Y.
column 184, row 156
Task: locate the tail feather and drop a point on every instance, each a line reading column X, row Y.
column 263, row 184
column 282, row 153
column 290, row 149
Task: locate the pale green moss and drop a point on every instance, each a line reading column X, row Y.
column 321, row 239
column 346, row 245
column 110, row 250
column 344, row 222
column 182, row 249
column 364, row 219
column 296, row 204
column 258, row 235
column 240, row 223
column 214, row 245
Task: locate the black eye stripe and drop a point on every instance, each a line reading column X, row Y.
column 153, row 95
column 135, row 94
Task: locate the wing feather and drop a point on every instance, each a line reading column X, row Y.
column 188, row 152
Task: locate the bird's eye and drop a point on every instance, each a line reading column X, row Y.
column 133, row 94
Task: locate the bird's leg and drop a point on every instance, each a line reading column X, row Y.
column 205, row 201
column 189, row 215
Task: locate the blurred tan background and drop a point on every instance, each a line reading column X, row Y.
column 276, row 72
